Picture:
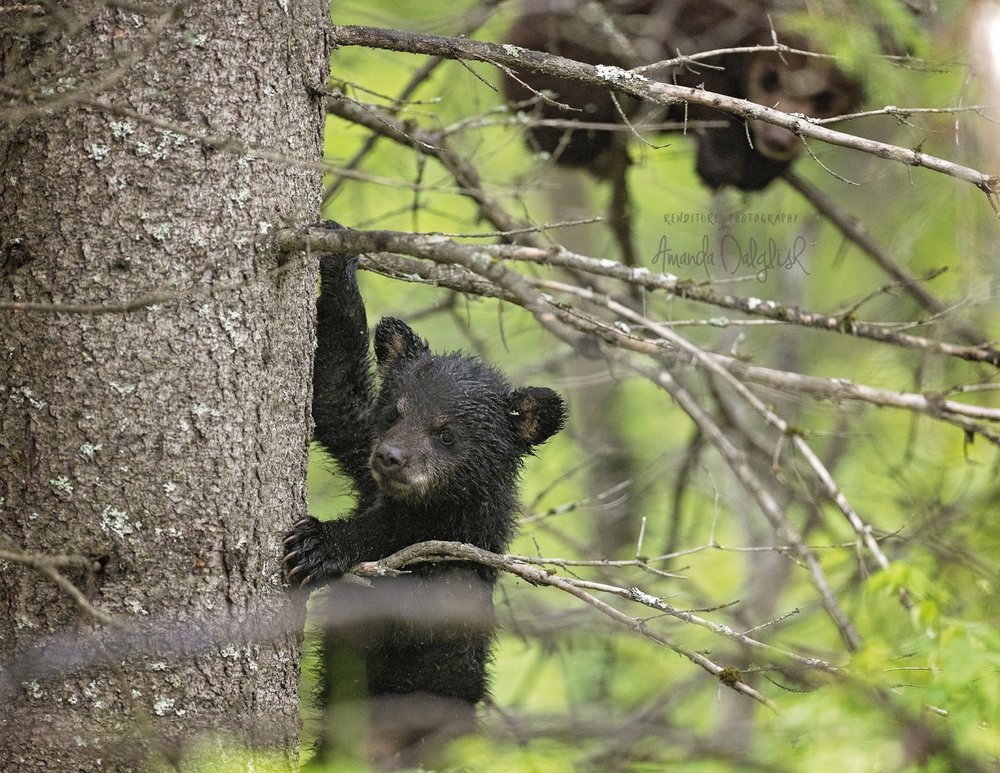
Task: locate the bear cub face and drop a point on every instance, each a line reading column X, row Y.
column 446, row 427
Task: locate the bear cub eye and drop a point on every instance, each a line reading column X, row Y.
column 390, row 415
column 446, row 436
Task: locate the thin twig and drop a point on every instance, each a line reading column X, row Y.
column 49, row 565
column 856, row 233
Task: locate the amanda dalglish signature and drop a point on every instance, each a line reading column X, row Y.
column 733, row 256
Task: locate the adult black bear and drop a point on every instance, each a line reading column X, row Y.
column 434, row 454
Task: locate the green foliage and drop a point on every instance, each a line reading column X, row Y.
column 540, row 756
column 216, row 755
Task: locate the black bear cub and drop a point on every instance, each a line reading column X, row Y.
column 434, row 454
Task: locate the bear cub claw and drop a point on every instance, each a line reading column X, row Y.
column 305, row 559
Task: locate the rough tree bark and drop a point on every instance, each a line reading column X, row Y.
column 167, row 443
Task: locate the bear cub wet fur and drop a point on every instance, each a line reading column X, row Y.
column 434, row 454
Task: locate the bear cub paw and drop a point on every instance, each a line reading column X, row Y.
column 307, row 559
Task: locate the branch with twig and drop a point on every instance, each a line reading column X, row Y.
column 511, row 58
column 442, row 250
column 438, row 550
column 49, row 566
column 969, row 418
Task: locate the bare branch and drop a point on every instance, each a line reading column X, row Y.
column 49, row 566
column 441, row 250
column 630, row 82
column 468, row 179
column 437, row 550
column 966, row 417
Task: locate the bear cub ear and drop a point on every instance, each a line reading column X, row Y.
column 536, row 414
column 395, row 341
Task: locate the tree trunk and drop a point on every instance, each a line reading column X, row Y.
column 164, row 442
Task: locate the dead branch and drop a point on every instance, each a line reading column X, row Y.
column 510, row 57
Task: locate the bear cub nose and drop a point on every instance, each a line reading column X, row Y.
column 389, row 458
